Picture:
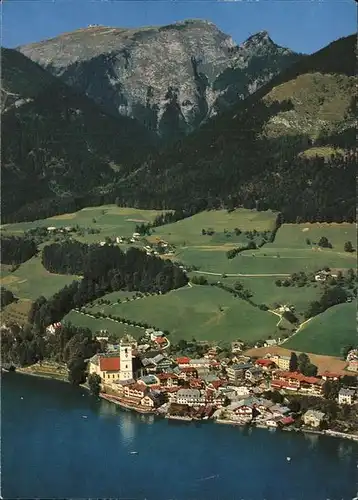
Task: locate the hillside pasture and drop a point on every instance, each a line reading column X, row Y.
column 189, row 231
column 202, row 312
column 111, row 220
column 295, row 235
column 266, row 292
column 328, row 332
column 31, row 280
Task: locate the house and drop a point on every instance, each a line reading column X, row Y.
column 270, row 342
column 168, row 379
column 52, row 329
column 294, row 381
column 283, row 362
column 353, row 365
column 239, row 391
column 265, row 364
column 346, row 396
column 237, row 371
column 322, row 276
column 313, row 418
column 200, row 363
column 136, row 236
column 188, row 372
column 330, row 376
column 135, row 391
column 171, row 394
column 190, row 397
column 51, row 228
column 149, row 380
column 237, row 346
column 183, row 361
column 254, row 374
column 165, row 364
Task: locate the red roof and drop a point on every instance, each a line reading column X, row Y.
column 331, row 375
column 166, row 376
column 287, row 420
column 299, row 377
column 183, row 361
column 110, row 364
column 160, row 340
column 264, row 362
column 188, row 369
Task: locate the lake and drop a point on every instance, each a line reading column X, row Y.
column 49, row 450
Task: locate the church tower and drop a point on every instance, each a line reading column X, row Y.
column 125, row 353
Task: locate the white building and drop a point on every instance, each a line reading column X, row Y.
column 346, row 396
column 114, row 367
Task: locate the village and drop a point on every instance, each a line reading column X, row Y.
column 238, row 390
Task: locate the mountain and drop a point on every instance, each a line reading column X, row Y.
column 262, row 152
column 170, row 78
column 56, row 143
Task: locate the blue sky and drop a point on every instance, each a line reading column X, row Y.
column 303, row 26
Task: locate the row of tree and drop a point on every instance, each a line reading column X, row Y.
column 104, row 269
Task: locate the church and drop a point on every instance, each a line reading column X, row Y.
column 122, row 365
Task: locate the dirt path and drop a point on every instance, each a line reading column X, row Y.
column 297, row 331
column 245, row 275
column 276, row 314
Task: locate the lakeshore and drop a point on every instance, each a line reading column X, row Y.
column 122, row 405
column 47, row 440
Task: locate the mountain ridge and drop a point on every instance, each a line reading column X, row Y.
column 167, row 77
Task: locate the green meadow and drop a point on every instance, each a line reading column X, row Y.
column 111, row 220
column 202, row 312
column 31, row 280
column 328, row 332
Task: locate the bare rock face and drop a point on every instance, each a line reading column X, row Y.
column 170, row 78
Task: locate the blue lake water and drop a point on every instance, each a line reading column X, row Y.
column 50, row 451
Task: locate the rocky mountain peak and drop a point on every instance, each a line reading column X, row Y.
column 164, row 76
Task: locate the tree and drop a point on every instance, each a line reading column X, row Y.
column 324, row 243
column 278, row 283
column 293, row 362
column 345, row 350
column 310, row 370
column 94, row 382
column 276, row 397
column 303, row 361
column 348, row 247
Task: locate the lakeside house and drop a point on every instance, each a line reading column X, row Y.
column 314, row 418
column 346, row 396
column 190, row 397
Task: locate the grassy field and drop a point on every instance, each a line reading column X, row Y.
column 31, row 280
column 111, row 220
column 289, row 252
column 328, row 332
column 195, row 312
column 266, row 292
column 189, row 231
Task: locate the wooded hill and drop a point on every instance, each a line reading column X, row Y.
column 239, row 158
column 56, row 143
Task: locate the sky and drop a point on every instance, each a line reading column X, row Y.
column 302, row 25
